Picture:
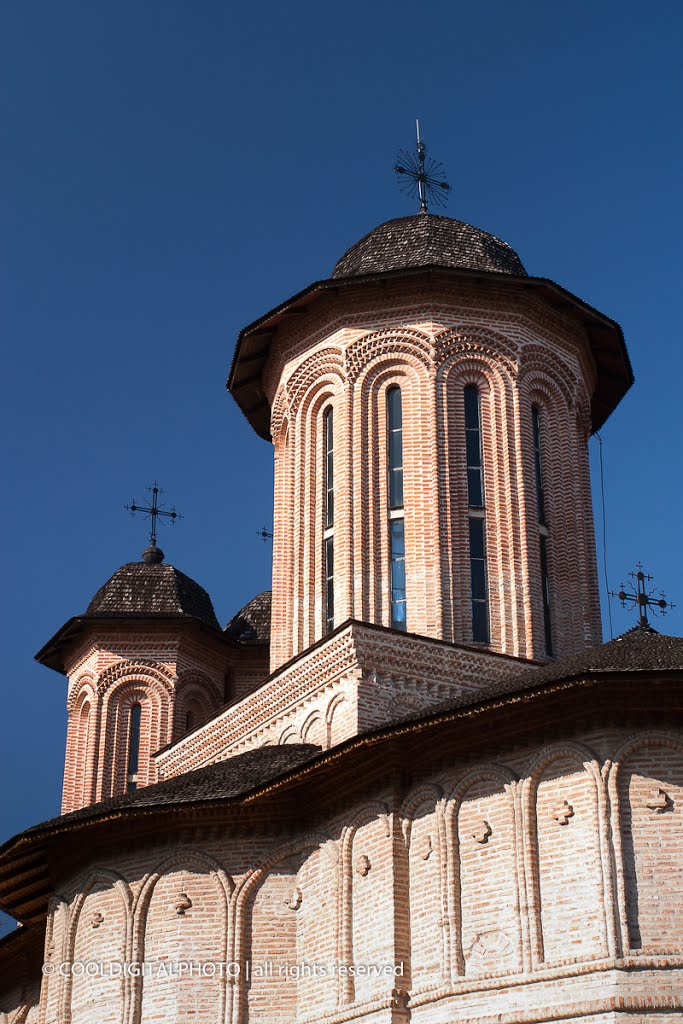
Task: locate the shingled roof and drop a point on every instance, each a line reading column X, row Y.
column 140, row 589
column 136, row 591
column 251, row 624
column 427, row 240
column 221, row 780
column 604, row 677
column 439, row 252
column 641, row 649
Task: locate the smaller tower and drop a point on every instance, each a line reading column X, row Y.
column 146, row 663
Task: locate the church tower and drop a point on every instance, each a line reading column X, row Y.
column 147, row 663
column 430, row 406
column 447, row 797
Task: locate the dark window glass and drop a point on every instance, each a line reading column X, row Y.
column 476, row 497
column 480, row 622
column 471, row 407
column 395, row 408
column 133, row 744
column 477, row 525
column 540, row 511
column 477, row 538
column 398, row 573
column 189, row 721
column 480, row 611
column 395, row 445
column 545, row 584
column 475, row 478
column 329, row 467
column 478, row 573
column 329, row 584
column 538, row 465
column 473, row 449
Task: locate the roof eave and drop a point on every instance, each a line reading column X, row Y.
column 54, row 653
column 615, row 374
column 30, row 848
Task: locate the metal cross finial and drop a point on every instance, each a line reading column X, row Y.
column 640, row 597
column 424, row 177
column 153, row 511
column 264, row 534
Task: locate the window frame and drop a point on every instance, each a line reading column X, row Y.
column 480, row 613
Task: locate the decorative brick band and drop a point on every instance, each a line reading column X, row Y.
column 358, row 679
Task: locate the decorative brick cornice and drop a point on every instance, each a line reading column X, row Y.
column 374, row 667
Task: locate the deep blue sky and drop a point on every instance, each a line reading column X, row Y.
column 172, row 170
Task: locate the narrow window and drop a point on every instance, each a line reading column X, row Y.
column 133, row 746
column 329, row 584
column 83, row 750
column 328, row 536
column 398, row 574
column 475, row 483
column 538, row 465
column 397, row 545
column 395, row 442
column 542, row 529
column 545, row 584
column 329, row 468
column 477, row 516
column 189, row 721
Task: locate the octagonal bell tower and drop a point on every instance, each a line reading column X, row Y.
column 430, row 406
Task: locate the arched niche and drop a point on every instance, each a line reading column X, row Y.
column 97, row 933
column 182, row 914
column 367, row 895
column 646, row 787
column 286, row 913
column 485, row 913
column 568, row 863
column 423, row 830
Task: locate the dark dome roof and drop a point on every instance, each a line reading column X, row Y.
column 251, row 625
column 427, row 240
column 142, row 589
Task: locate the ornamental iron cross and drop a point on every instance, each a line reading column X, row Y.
column 638, row 596
column 153, row 511
column 423, row 176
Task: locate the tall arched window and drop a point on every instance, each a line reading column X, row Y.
column 397, row 544
column 328, row 535
column 134, row 746
column 83, row 778
column 476, row 516
column 542, row 527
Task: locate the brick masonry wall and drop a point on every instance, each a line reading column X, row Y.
column 177, row 678
column 517, row 891
column 518, row 355
column 357, row 679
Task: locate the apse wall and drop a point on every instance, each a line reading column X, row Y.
column 515, row 886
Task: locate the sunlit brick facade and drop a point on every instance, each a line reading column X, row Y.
column 434, row 344
column 448, row 802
